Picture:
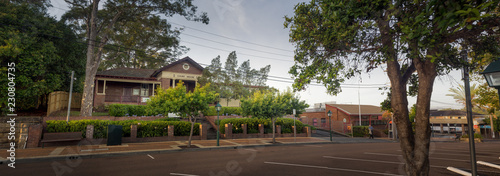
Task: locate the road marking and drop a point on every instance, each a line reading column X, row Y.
column 329, row 168
column 376, row 161
column 488, row 164
column 151, row 156
column 182, row 174
column 429, row 157
column 458, row 171
column 383, row 154
column 353, row 159
column 57, row 151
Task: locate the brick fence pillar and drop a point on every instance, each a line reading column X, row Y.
column 307, row 130
column 203, row 132
column 278, row 131
column 34, row 135
column 171, row 135
column 229, row 131
column 90, row 132
column 245, row 129
column 133, row 132
column 261, row 130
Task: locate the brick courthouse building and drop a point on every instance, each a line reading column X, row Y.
column 317, row 116
column 135, row 86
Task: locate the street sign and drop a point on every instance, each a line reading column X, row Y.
column 344, row 120
column 294, row 112
column 348, row 127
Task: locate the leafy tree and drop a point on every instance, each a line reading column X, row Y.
column 233, row 82
column 149, row 44
column 43, row 50
column 271, row 105
column 178, row 100
column 459, row 94
column 487, row 98
column 295, row 103
column 337, row 40
column 102, row 27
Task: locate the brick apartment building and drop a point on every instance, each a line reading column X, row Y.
column 317, row 116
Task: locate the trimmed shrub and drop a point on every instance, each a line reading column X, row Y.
column 476, row 136
column 360, row 131
column 120, row 110
column 253, row 125
column 144, row 128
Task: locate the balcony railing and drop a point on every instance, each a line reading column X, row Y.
column 126, row 99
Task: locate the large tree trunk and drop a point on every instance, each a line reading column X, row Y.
column 88, row 89
column 191, row 132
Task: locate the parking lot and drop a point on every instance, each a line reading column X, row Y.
column 380, row 158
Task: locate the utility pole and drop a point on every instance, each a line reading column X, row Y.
column 472, row 148
column 70, row 95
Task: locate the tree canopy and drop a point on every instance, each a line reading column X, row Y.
column 179, row 100
column 337, row 40
column 43, row 50
column 233, row 82
column 272, row 104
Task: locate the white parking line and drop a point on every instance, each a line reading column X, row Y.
column 458, row 171
column 182, row 174
column 383, row 154
column 375, row 161
column 429, row 157
column 329, row 168
column 488, row 164
column 151, row 156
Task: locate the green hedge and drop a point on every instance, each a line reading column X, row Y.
column 120, row 110
column 253, row 125
column 476, row 135
column 360, row 131
column 145, row 129
column 224, row 110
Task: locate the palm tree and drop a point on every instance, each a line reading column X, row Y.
column 459, row 94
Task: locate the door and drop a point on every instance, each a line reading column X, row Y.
column 127, row 94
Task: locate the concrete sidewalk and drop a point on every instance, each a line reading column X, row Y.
column 102, row 150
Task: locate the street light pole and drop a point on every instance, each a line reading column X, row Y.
column 218, row 107
column 472, row 148
column 330, row 123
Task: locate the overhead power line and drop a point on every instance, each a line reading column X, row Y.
column 236, row 46
column 256, row 44
column 263, row 57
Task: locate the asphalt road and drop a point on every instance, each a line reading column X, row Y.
column 321, row 159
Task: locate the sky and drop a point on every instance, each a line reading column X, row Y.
column 255, row 30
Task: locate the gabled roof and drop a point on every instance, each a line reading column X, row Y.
column 450, row 113
column 127, row 72
column 186, row 59
column 351, row 109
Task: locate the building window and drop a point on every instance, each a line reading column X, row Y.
column 100, row 86
column 135, row 92
column 145, row 90
column 315, row 122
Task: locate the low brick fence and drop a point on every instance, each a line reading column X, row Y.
column 132, row 139
column 230, row 135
